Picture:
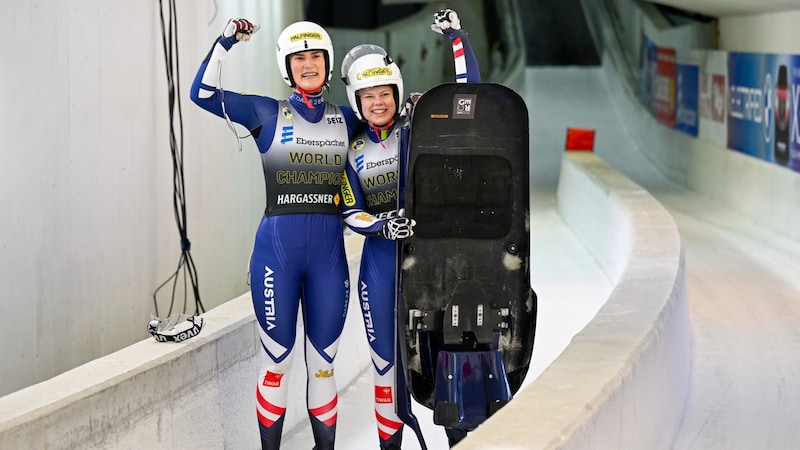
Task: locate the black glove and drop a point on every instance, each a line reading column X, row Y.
column 398, row 228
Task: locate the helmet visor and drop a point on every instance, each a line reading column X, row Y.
column 357, row 52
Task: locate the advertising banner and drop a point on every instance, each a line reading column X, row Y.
column 713, row 104
column 648, row 75
column 748, row 102
column 788, row 115
column 686, row 101
column 665, row 86
column 759, row 114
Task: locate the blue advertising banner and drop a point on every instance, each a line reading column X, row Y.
column 791, row 115
column 687, row 95
column 749, row 102
column 759, row 114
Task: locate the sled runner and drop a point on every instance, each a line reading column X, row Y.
column 466, row 308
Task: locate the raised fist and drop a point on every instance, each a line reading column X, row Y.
column 444, row 20
column 398, row 228
column 243, row 29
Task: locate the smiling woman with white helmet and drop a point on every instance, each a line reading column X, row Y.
column 298, row 257
column 369, row 191
column 296, row 39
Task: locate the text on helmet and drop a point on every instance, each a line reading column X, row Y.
column 377, row 71
column 305, row 35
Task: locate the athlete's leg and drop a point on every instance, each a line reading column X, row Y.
column 275, row 287
column 326, row 292
column 376, row 289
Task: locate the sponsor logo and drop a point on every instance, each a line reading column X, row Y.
column 272, row 379
column 386, row 215
column 365, row 217
column 287, row 113
column 346, row 301
column 182, row 336
column 383, row 394
column 307, row 199
column 305, row 35
column 712, row 97
column 359, row 163
column 323, row 373
column 320, row 143
column 348, row 196
column 374, row 72
column 464, row 106
column 358, row 144
column 383, row 162
column 746, row 103
column 287, row 134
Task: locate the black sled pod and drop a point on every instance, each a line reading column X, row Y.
column 465, row 297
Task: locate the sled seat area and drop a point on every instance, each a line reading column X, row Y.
column 464, row 196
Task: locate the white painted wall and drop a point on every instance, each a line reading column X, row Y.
column 762, row 33
column 87, row 230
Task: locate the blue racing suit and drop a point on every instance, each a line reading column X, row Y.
column 370, row 199
column 298, row 259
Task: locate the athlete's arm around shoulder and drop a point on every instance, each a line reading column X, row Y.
column 354, row 125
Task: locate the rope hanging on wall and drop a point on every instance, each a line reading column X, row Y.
column 186, row 269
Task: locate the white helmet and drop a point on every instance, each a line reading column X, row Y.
column 300, row 37
column 367, row 66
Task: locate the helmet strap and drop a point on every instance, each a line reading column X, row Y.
column 382, row 132
column 305, row 93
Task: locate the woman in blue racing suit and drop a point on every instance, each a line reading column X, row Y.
column 298, row 256
column 374, row 90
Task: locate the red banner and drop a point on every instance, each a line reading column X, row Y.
column 665, row 86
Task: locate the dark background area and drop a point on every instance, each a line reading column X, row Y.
column 360, row 14
column 556, row 32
